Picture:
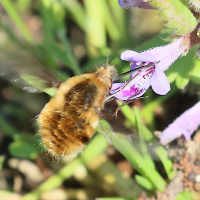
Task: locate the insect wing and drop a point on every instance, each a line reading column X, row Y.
column 24, row 69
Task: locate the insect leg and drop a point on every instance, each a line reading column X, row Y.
column 127, row 102
column 109, row 142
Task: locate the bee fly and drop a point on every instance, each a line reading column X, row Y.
column 68, row 121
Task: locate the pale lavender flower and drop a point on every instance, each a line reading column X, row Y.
column 185, row 125
column 134, row 3
column 153, row 76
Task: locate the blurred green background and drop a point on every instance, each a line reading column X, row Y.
column 67, row 38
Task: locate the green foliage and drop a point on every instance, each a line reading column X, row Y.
column 177, row 15
column 25, row 146
column 180, row 71
column 2, row 158
column 168, row 165
column 14, row 15
column 187, row 195
column 195, row 72
column 144, row 136
column 23, row 149
column 92, row 150
column 139, row 163
column 144, row 182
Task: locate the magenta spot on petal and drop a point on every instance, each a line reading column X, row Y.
column 149, row 73
column 132, row 92
column 151, row 69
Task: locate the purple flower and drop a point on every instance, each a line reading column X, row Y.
column 134, row 3
column 185, row 125
column 153, row 76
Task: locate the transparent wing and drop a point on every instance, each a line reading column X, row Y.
column 22, row 67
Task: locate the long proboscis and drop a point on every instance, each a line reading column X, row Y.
column 142, row 66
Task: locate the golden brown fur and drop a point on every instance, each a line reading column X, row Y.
column 69, row 120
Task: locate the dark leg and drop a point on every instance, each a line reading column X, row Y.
column 127, row 102
column 109, row 142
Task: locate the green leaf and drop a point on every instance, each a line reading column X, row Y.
column 95, row 26
column 181, row 82
column 5, row 194
column 177, row 15
column 24, row 5
column 181, row 69
column 25, row 146
column 172, row 77
column 195, row 72
column 77, row 12
column 144, row 182
column 56, row 51
column 112, row 28
column 119, row 15
column 50, row 91
column 139, row 163
column 143, row 146
column 23, row 149
column 2, row 159
column 98, row 145
column 167, row 163
column 95, row 147
column 7, row 128
column 11, row 10
column 149, row 109
column 128, row 113
column 187, row 195
column 54, row 27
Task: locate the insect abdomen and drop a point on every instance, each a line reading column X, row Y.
column 69, row 120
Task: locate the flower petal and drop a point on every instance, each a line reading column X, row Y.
column 145, row 57
column 136, row 87
column 116, row 86
column 128, row 55
column 134, row 3
column 169, row 53
column 133, row 66
column 130, row 90
column 159, row 82
column 185, row 125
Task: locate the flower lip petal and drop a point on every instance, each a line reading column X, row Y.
column 185, row 125
column 145, row 57
column 135, row 88
column 116, row 86
column 130, row 55
column 159, row 82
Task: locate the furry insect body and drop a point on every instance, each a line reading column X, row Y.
column 69, row 120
